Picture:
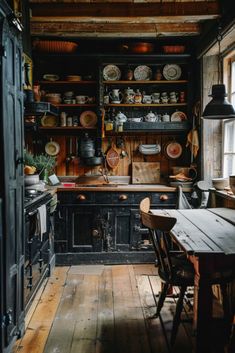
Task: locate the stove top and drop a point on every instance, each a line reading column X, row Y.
column 35, row 198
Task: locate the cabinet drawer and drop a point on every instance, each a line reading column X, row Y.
column 117, row 198
column 76, row 197
column 166, row 199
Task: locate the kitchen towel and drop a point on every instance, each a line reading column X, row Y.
column 42, row 220
column 193, row 142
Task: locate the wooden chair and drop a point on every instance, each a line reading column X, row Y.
column 173, row 267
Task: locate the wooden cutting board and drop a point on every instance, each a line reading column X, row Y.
column 145, row 172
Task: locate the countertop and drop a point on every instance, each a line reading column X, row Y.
column 129, row 187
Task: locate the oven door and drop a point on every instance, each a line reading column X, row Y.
column 36, row 252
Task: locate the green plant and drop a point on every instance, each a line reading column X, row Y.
column 29, row 159
column 41, row 162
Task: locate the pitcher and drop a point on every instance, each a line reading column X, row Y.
column 116, row 96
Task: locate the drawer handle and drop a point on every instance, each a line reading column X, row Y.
column 123, row 197
column 81, row 197
column 164, row 197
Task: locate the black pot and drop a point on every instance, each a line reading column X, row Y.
column 88, row 153
column 93, row 161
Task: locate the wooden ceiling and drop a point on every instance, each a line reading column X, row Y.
column 121, row 18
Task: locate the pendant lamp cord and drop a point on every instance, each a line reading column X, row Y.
column 219, row 38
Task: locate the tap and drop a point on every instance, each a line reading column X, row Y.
column 104, row 172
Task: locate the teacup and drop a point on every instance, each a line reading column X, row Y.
column 81, row 99
column 147, row 99
column 164, row 99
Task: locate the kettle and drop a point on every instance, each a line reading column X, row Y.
column 151, row 117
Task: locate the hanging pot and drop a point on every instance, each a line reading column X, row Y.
column 93, row 161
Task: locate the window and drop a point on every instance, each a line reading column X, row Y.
column 229, row 129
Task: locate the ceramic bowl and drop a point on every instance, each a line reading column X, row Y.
column 220, row 183
column 232, row 183
column 31, row 179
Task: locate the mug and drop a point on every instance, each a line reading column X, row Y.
column 81, row 99
column 165, row 117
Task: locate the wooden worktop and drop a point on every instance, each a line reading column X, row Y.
column 129, row 187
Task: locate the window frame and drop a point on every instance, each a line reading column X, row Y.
column 228, row 79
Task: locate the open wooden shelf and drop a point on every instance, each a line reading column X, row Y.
column 146, row 105
column 61, row 82
column 144, row 82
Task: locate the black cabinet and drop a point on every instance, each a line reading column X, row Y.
column 104, row 226
column 11, row 182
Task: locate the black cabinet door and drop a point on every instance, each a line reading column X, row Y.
column 84, row 233
column 121, row 228
column 11, row 180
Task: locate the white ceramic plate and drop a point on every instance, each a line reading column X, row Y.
column 111, row 73
column 172, row 72
column 178, row 116
column 142, row 72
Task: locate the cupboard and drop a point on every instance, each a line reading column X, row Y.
column 71, row 78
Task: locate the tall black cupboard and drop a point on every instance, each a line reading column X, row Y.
column 11, row 181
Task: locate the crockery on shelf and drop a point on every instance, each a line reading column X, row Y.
column 111, row 73
column 51, row 77
column 172, row 72
column 88, row 118
column 178, row 116
column 143, row 73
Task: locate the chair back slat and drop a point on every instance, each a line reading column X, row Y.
column 159, row 227
column 145, row 205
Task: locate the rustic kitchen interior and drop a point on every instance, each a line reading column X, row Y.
column 117, row 195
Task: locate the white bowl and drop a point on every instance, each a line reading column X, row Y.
column 220, row 183
column 31, row 179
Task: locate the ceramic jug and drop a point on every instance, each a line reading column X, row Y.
column 116, row 96
column 129, row 95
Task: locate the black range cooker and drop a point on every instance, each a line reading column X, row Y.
column 37, row 240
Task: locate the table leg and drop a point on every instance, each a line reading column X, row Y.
column 203, row 309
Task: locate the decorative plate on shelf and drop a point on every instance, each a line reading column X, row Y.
column 142, row 72
column 111, row 73
column 88, row 118
column 172, row 72
column 178, row 116
column 49, row 121
column 173, row 150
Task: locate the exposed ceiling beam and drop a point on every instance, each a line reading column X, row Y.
column 117, row 9
column 144, row 30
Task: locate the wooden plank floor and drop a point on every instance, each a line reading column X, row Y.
column 99, row 309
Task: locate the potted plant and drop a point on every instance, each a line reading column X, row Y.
column 41, row 164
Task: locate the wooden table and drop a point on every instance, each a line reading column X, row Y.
column 207, row 236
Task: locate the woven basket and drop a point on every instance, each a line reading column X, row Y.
column 55, row 46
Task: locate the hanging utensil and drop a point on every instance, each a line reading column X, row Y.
column 112, row 157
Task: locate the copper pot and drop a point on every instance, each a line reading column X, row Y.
column 138, row 48
column 141, row 48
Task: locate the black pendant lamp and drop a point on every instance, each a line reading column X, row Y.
column 219, row 107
